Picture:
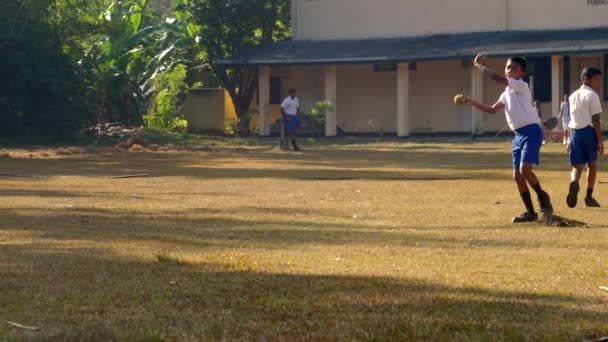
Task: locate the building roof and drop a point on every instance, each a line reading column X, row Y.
column 421, row 48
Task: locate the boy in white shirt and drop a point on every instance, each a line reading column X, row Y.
column 290, row 109
column 523, row 119
column 586, row 141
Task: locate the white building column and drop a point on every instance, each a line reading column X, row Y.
column 264, row 99
column 403, row 100
column 331, row 84
column 477, row 93
column 465, row 112
column 556, row 75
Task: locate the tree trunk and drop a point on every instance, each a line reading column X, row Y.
column 241, row 87
column 101, row 115
column 241, row 105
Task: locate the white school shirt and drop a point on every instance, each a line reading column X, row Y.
column 517, row 99
column 290, row 106
column 584, row 103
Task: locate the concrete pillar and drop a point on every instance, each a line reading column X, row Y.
column 465, row 112
column 264, row 99
column 556, row 72
column 403, row 100
column 331, row 96
column 477, row 93
column 532, row 87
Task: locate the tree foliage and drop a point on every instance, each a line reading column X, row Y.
column 66, row 63
column 228, row 27
column 130, row 49
column 40, row 92
column 115, row 58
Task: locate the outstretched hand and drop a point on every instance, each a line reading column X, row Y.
column 481, row 58
column 467, row 100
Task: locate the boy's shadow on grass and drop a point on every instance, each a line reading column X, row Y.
column 561, row 222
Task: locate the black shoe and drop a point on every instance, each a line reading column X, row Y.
column 545, row 204
column 573, row 194
column 526, row 217
column 297, row 149
column 590, row 202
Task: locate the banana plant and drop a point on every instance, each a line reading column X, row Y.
column 177, row 43
column 114, row 59
column 134, row 49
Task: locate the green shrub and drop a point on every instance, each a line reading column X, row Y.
column 231, row 128
column 242, row 125
column 165, row 111
column 316, row 118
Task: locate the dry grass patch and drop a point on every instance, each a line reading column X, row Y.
column 403, row 242
column 171, row 259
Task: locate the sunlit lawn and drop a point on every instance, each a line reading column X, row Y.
column 406, row 241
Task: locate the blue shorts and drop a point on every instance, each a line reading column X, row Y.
column 292, row 123
column 583, row 146
column 526, row 145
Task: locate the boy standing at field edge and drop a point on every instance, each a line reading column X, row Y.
column 587, row 141
column 523, row 119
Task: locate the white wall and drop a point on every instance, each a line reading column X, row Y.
column 332, row 19
column 555, row 14
column 364, row 95
column 355, row 19
column 433, row 87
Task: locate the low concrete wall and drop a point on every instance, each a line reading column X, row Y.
column 208, row 109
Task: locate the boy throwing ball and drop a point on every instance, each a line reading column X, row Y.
column 523, row 119
column 587, row 140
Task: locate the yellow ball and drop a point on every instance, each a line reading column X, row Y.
column 459, row 99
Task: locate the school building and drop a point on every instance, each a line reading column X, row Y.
column 400, row 62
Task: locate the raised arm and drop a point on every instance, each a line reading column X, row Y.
column 497, row 107
column 480, row 63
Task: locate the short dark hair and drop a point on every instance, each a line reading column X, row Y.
column 291, row 90
column 521, row 61
column 589, row 73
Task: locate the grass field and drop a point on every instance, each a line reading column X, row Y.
column 408, row 241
